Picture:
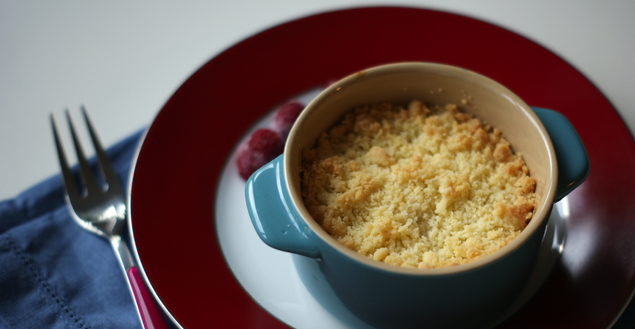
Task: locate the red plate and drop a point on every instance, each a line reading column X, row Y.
column 177, row 170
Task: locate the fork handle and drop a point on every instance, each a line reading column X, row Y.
column 147, row 309
column 151, row 316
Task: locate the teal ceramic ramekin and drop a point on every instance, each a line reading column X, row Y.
column 464, row 296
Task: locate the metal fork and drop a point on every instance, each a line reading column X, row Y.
column 101, row 209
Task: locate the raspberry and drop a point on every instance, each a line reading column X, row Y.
column 285, row 117
column 262, row 146
column 248, row 162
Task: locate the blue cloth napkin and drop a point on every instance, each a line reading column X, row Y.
column 54, row 274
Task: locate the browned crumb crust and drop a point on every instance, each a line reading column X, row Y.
column 417, row 187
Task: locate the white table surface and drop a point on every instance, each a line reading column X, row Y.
column 124, row 59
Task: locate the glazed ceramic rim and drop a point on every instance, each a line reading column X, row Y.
column 544, row 203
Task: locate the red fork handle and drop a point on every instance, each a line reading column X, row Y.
column 151, row 315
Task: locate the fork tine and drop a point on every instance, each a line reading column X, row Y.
column 67, row 175
column 110, row 175
column 87, row 174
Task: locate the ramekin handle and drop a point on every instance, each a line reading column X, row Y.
column 573, row 162
column 272, row 213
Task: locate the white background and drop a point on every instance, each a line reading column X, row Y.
column 124, row 59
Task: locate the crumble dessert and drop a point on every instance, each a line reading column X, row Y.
column 417, row 186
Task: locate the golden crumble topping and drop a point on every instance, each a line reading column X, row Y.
column 417, row 186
